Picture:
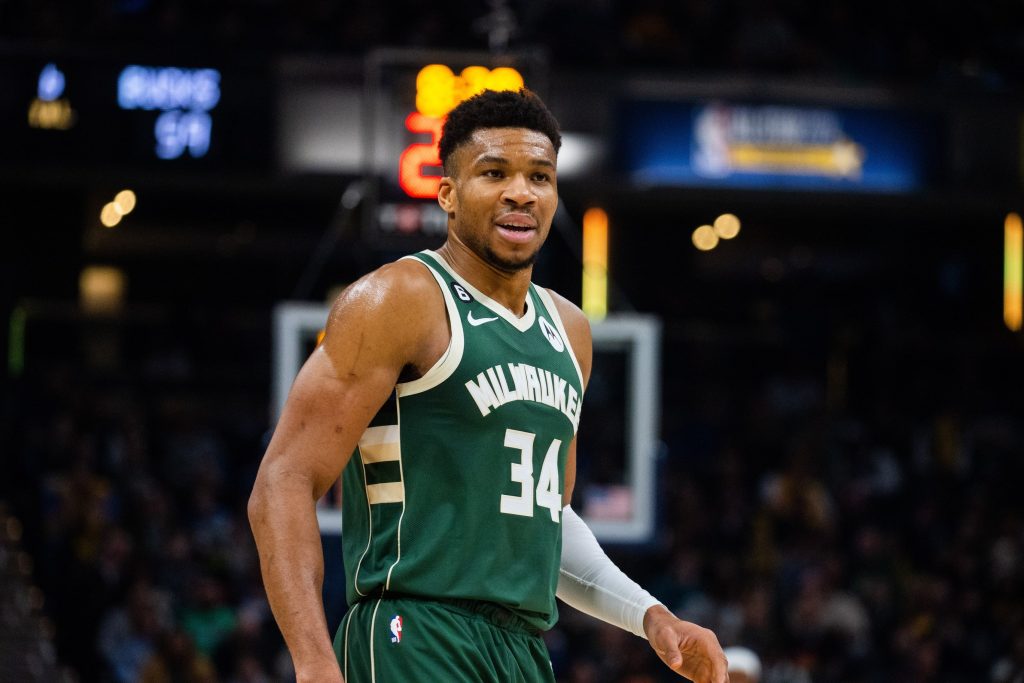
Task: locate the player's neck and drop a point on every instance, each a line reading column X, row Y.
column 507, row 288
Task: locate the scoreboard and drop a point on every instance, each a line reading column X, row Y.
column 81, row 113
column 408, row 95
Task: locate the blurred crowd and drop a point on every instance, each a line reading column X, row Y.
column 855, row 540
column 855, row 520
column 957, row 42
column 135, row 513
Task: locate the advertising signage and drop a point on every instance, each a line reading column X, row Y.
column 774, row 146
column 63, row 112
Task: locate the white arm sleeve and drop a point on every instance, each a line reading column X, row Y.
column 590, row 582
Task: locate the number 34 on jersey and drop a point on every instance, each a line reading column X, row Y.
column 547, row 494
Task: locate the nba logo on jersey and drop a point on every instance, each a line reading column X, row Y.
column 396, row 628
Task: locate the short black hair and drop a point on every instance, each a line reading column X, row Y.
column 496, row 109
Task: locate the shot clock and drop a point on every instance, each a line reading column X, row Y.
column 409, row 94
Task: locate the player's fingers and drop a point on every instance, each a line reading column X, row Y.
column 715, row 667
column 705, row 663
column 719, row 664
column 720, row 670
column 667, row 642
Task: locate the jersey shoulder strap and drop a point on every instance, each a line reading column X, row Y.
column 452, row 356
column 548, row 302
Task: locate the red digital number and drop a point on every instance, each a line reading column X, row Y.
column 418, row 155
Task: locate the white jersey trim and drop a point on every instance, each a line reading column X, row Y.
column 549, row 303
column 401, row 517
column 452, row 356
column 373, row 622
column 369, row 534
column 391, row 492
column 522, row 324
column 381, row 444
column 348, row 622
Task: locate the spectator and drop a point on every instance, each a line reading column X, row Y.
column 209, row 620
column 744, row 665
column 130, row 633
column 176, row 661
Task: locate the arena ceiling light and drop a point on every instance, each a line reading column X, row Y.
column 595, row 263
column 1013, row 272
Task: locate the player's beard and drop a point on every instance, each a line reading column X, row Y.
column 508, row 265
column 481, row 247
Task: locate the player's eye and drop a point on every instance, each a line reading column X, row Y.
column 541, row 177
column 493, row 173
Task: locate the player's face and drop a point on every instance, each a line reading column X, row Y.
column 502, row 195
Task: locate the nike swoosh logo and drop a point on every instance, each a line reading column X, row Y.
column 477, row 322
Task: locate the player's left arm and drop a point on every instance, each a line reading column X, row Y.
column 591, row 582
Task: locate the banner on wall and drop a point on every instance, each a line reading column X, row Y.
column 771, row 146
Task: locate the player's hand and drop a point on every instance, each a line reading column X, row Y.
column 688, row 649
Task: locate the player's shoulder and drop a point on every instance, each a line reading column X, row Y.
column 572, row 317
column 393, row 316
column 406, row 275
column 577, row 327
column 394, row 289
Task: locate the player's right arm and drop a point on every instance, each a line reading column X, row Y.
column 590, row 581
column 391, row 320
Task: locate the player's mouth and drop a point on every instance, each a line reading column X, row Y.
column 516, row 227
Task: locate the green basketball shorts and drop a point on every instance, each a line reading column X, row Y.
column 410, row 640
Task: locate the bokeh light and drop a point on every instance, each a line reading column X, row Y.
column 727, row 226
column 704, row 238
column 124, row 202
column 110, row 216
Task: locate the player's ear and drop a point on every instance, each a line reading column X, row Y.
column 446, row 195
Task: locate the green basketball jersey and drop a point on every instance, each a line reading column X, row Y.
column 455, row 489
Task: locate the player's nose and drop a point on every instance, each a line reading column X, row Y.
column 518, row 191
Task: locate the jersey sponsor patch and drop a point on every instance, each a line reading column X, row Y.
column 396, row 629
column 461, row 292
column 551, row 334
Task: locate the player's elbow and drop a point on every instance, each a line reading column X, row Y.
column 256, row 506
column 260, row 500
column 279, row 487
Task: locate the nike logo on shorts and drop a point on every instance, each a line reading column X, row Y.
column 477, row 322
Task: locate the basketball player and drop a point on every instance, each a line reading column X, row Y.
column 447, row 394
